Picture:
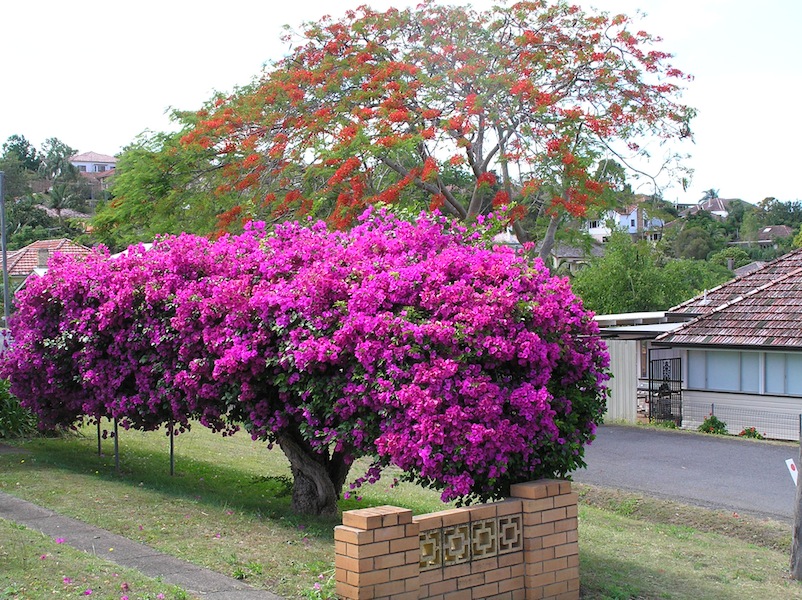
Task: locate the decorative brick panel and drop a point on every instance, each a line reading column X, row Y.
column 522, row 548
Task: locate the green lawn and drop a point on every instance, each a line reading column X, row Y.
column 227, row 508
column 35, row 566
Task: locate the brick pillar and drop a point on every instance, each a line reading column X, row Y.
column 377, row 554
column 551, row 548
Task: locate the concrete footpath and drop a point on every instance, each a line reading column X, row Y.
column 99, row 542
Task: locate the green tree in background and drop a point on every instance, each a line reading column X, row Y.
column 18, row 147
column 771, row 211
column 159, row 188
column 17, row 178
column 696, row 236
column 631, row 277
column 55, row 162
column 739, row 257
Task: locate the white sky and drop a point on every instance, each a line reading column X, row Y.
column 97, row 77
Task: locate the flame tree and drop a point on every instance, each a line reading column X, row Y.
column 446, row 107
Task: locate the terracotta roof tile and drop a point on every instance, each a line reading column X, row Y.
column 22, row 262
column 93, row 157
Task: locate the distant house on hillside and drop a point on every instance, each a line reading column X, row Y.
column 633, row 219
column 96, row 169
column 768, row 237
column 570, row 259
column 563, row 257
column 93, row 162
column 718, row 207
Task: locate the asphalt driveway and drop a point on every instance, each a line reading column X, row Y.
column 711, row 471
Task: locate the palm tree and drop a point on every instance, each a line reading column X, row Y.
column 710, row 194
column 61, row 197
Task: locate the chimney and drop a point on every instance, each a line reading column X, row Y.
column 42, row 255
column 731, row 263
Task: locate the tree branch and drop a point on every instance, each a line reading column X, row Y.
column 452, row 203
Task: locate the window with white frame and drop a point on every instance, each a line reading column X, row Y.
column 772, row 373
column 783, row 373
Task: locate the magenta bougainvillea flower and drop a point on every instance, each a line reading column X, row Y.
column 418, row 343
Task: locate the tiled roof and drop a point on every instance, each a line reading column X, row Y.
column 712, row 205
column 562, row 250
column 94, row 157
column 775, row 231
column 22, row 262
column 740, row 286
column 761, row 309
column 752, row 266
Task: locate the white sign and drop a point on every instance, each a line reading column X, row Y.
column 792, row 468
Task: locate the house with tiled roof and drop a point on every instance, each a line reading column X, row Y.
column 93, row 162
column 96, row 170
column 734, row 351
column 718, row 207
column 634, row 219
column 768, row 237
column 33, row 258
column 741, row 351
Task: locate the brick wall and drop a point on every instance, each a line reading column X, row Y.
column 523, row 548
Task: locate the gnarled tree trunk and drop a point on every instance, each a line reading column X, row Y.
column 548, row 240
column 318, row 479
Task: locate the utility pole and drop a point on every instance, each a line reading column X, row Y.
column 796, row 544
column 4, row 245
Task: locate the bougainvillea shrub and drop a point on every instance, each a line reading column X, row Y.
column 416, row 343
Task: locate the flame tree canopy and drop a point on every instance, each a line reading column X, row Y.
column 415, row 343
column 444, row 107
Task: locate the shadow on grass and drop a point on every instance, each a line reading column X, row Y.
column 607, row 577
column 266, row 496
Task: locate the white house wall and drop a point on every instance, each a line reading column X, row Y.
column 775, row 417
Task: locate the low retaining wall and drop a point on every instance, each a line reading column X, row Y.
column 522, row 548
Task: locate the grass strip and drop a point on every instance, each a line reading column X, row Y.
column 227, row 509
column 37, row 566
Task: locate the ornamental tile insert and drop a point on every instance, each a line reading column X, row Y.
column 430, row 549
column 510, row 534
column 479, row 539
column 483, row 538
column 456, row 544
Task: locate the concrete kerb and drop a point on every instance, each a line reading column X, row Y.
column 127, row 553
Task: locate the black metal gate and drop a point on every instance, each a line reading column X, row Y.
column 665, row 390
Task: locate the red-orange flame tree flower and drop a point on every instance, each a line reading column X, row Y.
column 459, row 109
